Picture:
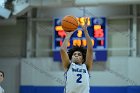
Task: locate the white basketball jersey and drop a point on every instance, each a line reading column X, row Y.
column 77, row 79
column 1, row 90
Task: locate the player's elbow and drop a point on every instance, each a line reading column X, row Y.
column 90, row 66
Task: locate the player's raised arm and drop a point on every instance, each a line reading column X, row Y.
column 89, row 54
column 63, row 51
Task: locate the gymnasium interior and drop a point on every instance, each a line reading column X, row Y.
column 30, row 44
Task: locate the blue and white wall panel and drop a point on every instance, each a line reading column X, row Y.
column 121, row 75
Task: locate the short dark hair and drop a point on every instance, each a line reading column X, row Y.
column 77, row 48
column 2, row 73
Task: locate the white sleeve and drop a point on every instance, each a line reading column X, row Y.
column 2, row 90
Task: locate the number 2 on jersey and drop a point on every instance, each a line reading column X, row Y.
column 79, row 78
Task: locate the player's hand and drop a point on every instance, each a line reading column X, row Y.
column 68, row 34
column 84, row 27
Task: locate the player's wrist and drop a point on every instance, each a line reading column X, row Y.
column 85, row 30
column 67, row 37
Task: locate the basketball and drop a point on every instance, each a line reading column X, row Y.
column 69, row 23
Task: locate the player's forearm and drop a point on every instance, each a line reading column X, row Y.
column 89, row 43
column 65, row 43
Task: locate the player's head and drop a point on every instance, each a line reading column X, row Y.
column 1, row 76
column 77, row 54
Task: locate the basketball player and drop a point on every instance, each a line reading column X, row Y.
column 1, row 79
column 77, row 63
